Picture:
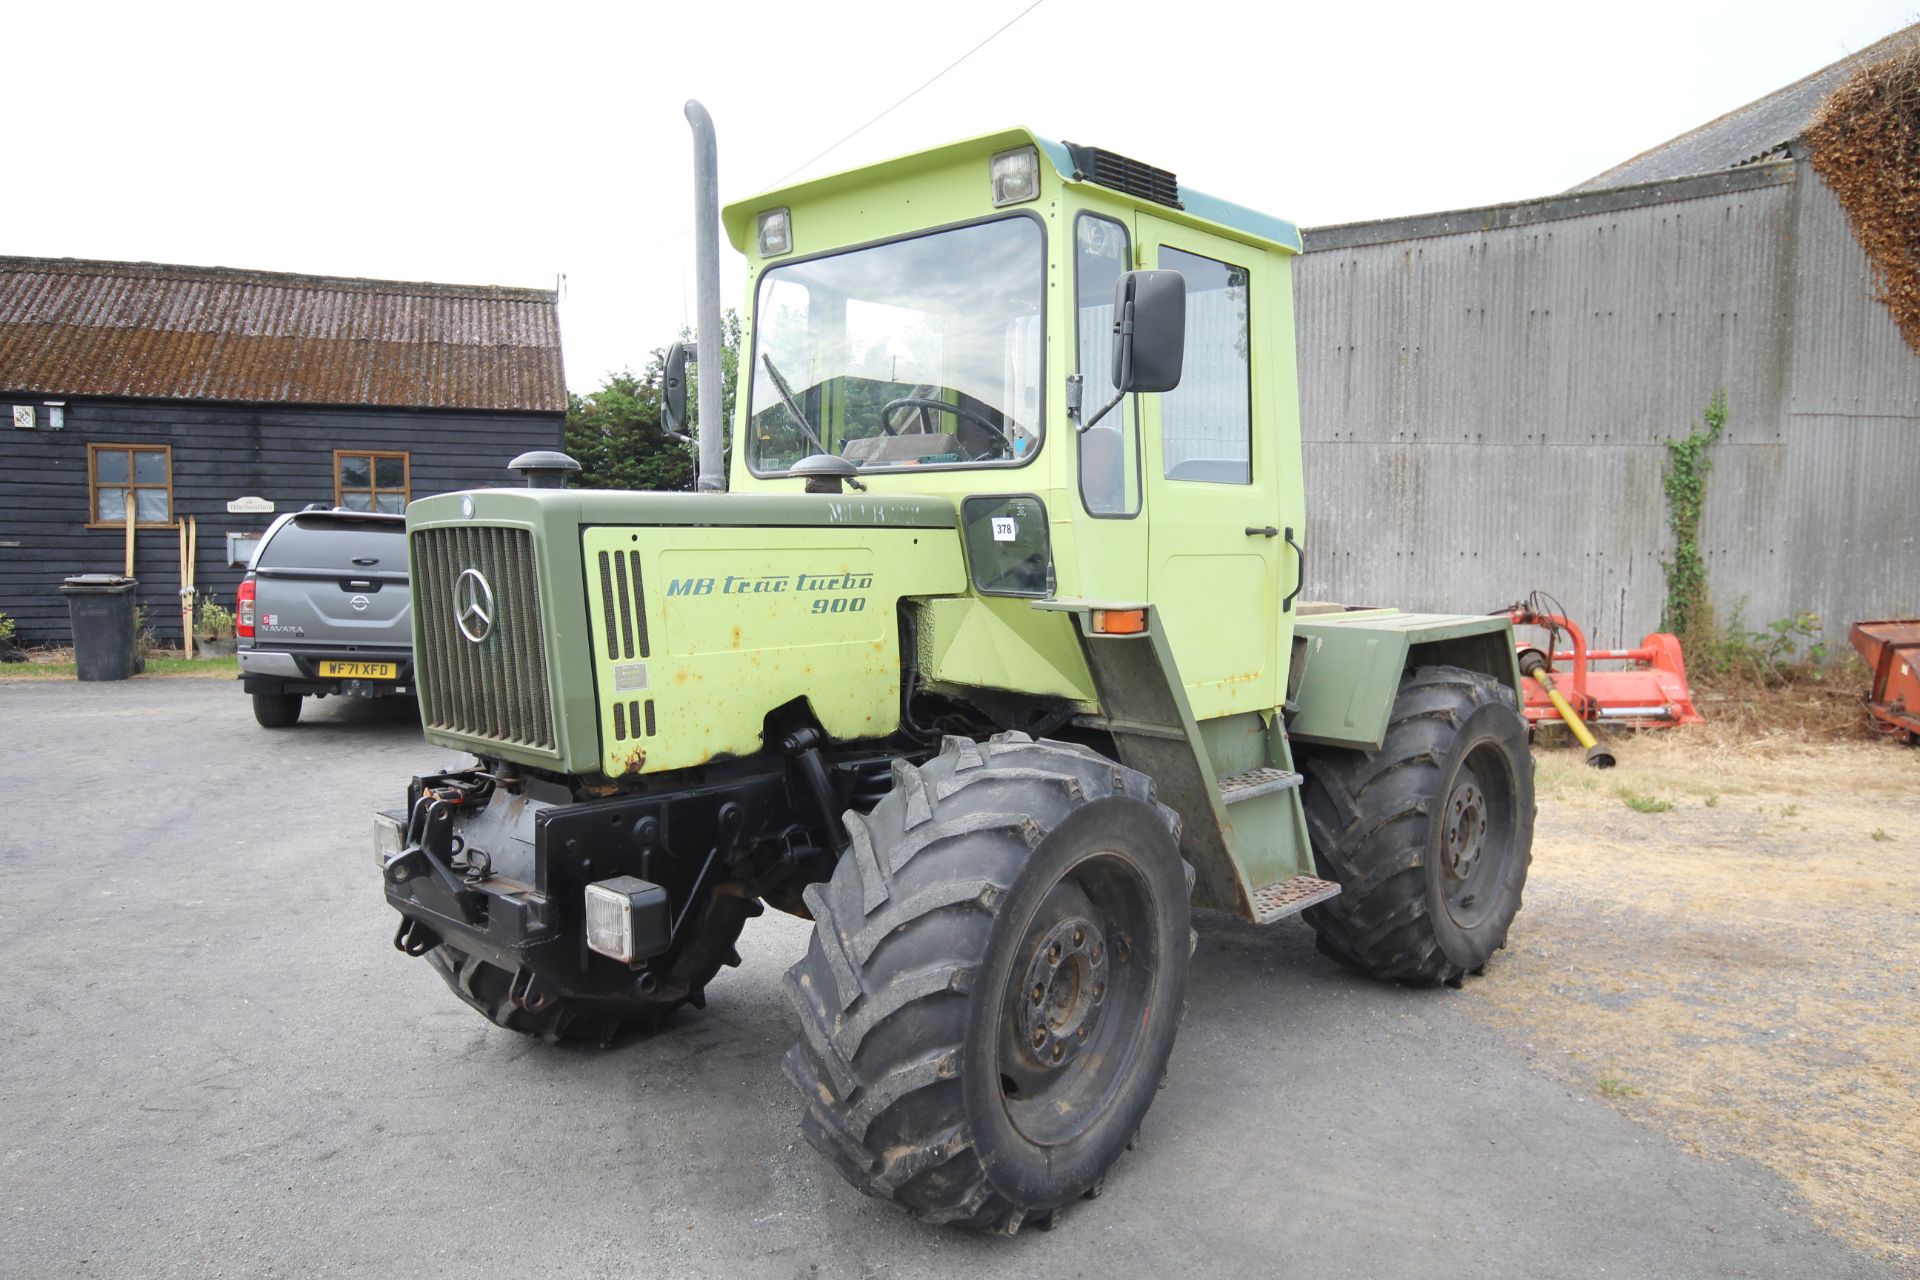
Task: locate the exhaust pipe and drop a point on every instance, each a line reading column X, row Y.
column 706, row 253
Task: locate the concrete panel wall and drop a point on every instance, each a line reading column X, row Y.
column 1485, row 399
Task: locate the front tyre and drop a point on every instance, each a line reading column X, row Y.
column 1430, row 836
column 995, row 978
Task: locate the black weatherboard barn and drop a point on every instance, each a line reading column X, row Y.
column 231, row 396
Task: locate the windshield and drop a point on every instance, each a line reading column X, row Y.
column 919, row 352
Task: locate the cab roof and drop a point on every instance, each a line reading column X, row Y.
column 1196, row 207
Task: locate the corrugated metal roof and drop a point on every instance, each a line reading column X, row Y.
column 1756, row 131
column 153, row 331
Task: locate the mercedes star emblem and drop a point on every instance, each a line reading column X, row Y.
column 473, row 605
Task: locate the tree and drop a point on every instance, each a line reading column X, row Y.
column 615, row 433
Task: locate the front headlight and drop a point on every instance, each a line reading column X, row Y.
column 1016, row 176
column 776, row 233
column 628, row 919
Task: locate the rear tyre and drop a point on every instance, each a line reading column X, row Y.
column 995, row 978
column 488, row 988
column 1429, row 837
column 276, row 710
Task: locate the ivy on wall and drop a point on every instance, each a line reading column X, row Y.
column 1687, row 612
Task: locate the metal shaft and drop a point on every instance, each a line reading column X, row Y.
column 706, row 250
column 1599, row 756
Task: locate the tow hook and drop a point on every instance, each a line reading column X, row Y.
column 526, row 992
column 414, row 938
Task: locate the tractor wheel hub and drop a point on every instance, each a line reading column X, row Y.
column 1064, row 988
column 1465, row 830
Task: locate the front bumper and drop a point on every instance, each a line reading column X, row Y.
column 502, row 875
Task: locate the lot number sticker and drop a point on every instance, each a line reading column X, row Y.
column 1005, row 529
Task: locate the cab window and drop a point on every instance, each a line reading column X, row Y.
column 1109, row 450
column 1206, row 423
column 926, row 351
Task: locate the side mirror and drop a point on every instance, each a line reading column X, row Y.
column 1149, row 340
column 673, row 392
column 1149, row 330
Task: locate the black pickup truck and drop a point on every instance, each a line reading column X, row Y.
column 325, row 609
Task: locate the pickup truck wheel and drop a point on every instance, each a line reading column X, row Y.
column 1429, row 837
column 276, row 710
column 995, row 978
column 488, row 987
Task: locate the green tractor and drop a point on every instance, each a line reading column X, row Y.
column 992, row 664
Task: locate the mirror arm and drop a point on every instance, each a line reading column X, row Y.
column 1123, row 337
column 1103, row 411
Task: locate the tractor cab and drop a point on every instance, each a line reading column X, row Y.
column 947, row 325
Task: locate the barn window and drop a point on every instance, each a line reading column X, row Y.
column 371, row 481
column 141, row 474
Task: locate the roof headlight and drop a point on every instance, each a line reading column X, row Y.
column 1016, row 176
column 776, row 233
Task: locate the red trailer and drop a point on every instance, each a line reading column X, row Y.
column 1892, row 651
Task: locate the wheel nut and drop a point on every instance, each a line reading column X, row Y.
column 1059, row 1052
column 1079, row 936
column 1039, row 1038
column 1053, row 952
column 1081, row 1034
column 1039, row 993
column 1098, row 992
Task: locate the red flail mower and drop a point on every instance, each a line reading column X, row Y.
column 1891, row 649
column 1640, row 688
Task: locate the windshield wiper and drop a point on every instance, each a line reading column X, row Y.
column 793, row 406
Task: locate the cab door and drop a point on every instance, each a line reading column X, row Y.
column 1212, row 477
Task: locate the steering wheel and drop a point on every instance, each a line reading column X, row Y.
column 941, row 406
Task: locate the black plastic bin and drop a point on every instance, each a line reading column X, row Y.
column 101, row 608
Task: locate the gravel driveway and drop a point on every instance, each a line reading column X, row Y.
column 218, row 1064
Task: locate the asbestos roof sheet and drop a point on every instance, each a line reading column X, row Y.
column 1763, row 128
column 152, row 331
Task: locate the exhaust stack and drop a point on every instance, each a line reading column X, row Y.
column 706, row 252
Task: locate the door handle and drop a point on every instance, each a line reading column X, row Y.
column 1300, row 571
column 1263, row 531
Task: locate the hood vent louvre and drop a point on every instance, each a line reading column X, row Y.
column 1091, row 164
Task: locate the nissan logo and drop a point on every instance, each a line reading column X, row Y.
column 473, row 605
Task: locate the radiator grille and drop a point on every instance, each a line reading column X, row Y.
column 495, row 688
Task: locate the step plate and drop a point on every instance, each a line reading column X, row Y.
column 1290, row 898
column 1256, row 782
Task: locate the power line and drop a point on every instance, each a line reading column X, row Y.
column 683, row 232
column 1001, row 30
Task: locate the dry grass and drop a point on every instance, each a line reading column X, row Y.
column 1739, row 969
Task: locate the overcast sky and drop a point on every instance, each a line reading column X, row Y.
column 510, row 144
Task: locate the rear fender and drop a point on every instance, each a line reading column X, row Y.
column 1347, row 667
